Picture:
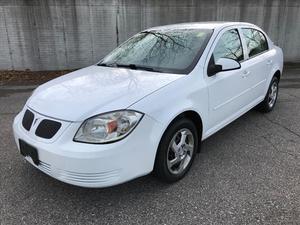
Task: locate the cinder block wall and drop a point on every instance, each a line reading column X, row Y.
column 66, row 34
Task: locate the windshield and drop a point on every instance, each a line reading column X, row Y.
column 169, row 51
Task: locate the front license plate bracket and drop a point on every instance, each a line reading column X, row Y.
column 28, row 150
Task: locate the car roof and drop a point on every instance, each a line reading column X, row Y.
column 200, row 25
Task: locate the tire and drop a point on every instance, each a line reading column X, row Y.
column 268, row 104
column 175, row 153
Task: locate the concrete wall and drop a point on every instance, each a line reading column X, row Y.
column 66, row 34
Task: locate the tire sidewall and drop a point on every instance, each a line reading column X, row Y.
column 274, row 79
column 161, row 167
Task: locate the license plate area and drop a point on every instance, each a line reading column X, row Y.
column 28, row 150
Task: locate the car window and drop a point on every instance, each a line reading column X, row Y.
column 229, row 46
column 255, row 40
column 170, row 50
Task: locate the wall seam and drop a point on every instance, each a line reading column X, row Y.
column 8, row 41
column 65, row 39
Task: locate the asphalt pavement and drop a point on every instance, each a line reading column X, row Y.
column 247, row 173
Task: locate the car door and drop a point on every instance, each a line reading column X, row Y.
column 258, row 61
column 228, row 90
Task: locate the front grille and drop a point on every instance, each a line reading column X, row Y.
column 89, row 178
column 47, row 128
column 27, row 119
column 45, row 167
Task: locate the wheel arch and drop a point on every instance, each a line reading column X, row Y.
column 277, row 74
column 194, row 117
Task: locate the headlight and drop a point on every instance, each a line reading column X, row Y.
column 108, row 127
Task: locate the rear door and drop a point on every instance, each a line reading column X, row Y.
column 258, row 62
column 228, row 90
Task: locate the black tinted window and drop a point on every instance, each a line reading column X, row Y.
column 256, row 41
column 229, row 46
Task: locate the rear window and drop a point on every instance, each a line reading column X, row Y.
column 256, row 41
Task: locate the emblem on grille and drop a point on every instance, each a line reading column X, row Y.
column 35, row 121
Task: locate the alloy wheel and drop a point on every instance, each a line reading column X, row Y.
column 180, row 151
column 272, row 94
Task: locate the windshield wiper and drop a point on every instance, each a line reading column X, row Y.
column 130, row 66
column 105, row 64
column 135, row 67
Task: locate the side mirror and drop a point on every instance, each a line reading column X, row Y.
column 223, row 64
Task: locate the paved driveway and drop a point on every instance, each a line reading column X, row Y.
column 248, row 173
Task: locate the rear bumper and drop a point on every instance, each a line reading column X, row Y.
column 95, row 165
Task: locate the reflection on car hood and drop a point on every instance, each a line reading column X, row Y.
column 93, row 90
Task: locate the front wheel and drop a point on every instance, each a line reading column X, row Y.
column 269, row 102
column 176, row 151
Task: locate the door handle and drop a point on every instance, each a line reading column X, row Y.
column 269, row 62
column 245, row 73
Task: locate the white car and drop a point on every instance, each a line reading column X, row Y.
column 148, row 104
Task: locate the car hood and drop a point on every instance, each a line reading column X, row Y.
column 93, row 90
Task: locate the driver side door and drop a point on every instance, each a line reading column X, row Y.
column 228, row 90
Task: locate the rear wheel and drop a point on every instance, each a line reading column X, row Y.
column 271, row 97
column 176, row 151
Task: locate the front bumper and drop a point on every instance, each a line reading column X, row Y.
column 94, row 165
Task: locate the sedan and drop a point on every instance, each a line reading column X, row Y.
column 149, row 103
